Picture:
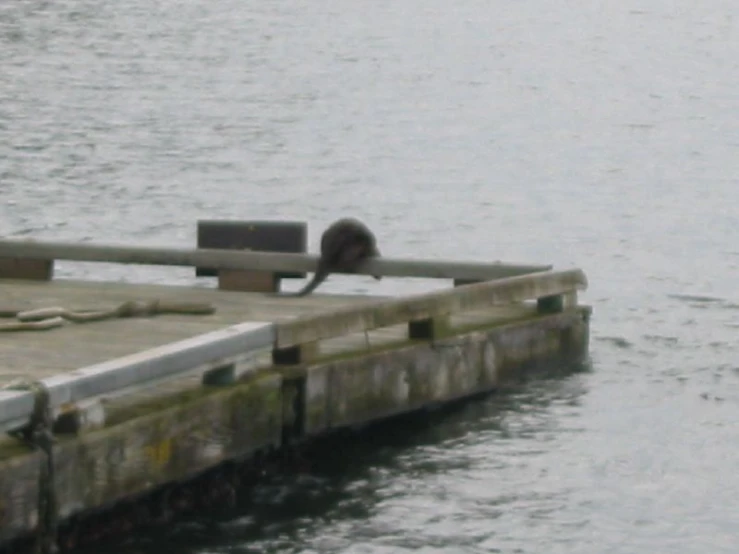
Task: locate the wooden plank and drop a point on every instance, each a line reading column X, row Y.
column 255, row 261
column 390, row 312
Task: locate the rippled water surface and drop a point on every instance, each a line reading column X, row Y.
column 603, row 135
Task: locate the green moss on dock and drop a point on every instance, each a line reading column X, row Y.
column 241, row 391
column 173, row 437
column 358, row 352
column 11, row 447
column 443, row 331
column 121, row 414
column 238, row 392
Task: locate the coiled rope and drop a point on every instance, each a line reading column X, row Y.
column 49, row 318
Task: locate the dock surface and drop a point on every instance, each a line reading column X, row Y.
column 154, row 388
column 33, row 355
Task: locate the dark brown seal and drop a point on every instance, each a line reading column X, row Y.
column 345, row 245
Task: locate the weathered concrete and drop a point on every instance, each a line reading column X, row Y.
column 425, row 306
column 171, row 438
column 359, row 390
column 156, row 443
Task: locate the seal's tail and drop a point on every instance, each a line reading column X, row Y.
column 318, row 278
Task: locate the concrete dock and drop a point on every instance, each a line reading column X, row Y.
column 168, row 382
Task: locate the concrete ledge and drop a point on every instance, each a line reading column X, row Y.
column 385, row 313
column 356, row 390
column 139, row 370
column 164, row 442
column 174, row 438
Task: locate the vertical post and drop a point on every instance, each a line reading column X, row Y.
column 557, row 303
column 295, row 355
column 293, row 408
column 429, row 329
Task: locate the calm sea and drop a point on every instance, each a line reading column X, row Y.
column 602, row 135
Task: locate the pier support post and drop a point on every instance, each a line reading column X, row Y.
column 80, row 418
column 428, row 329
column 293, row 408
column 557, row 303
column 220, row 375
column 295, row 355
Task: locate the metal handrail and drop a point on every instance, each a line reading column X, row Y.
column 257, row 261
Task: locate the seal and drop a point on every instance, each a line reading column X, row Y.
column 345, row 245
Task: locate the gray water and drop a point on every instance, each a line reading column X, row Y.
column 602, row 135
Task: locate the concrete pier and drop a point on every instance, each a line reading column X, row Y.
column 143, row 386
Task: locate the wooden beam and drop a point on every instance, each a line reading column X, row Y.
column 255, row 261
column 424, row 306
